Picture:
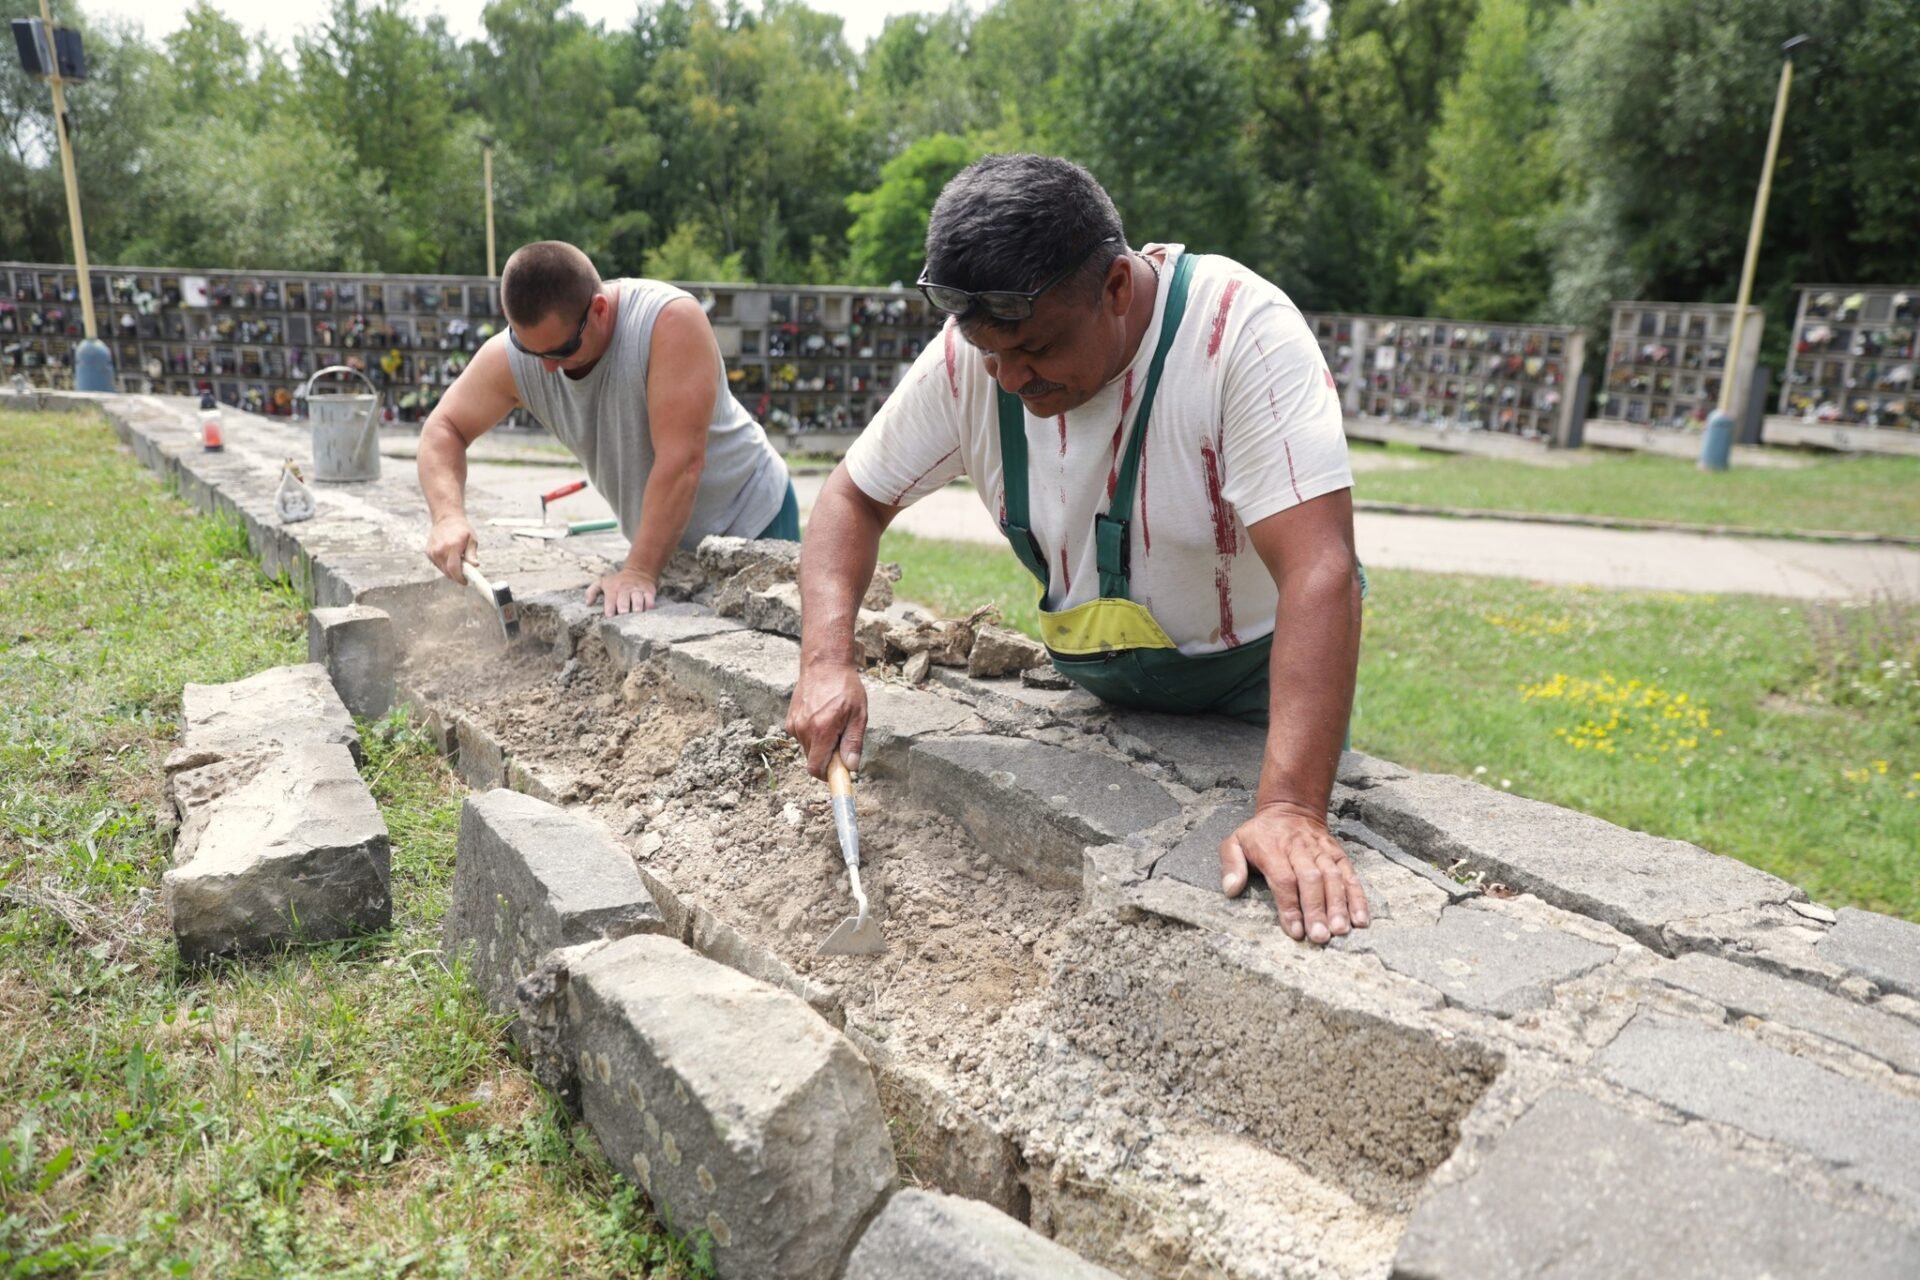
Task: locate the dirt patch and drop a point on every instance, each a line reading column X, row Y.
column 1145, row 1133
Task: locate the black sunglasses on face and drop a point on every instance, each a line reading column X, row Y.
column 562, row 351
column 1001, row 304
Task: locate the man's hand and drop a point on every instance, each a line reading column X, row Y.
column 1314, row 886
column 450, row 543
column 626, row 591
column 829, row 709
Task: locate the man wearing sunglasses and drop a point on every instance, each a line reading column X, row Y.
column 1161, row 443
column 627, row 374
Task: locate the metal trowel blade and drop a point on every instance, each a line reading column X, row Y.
column 855, row 936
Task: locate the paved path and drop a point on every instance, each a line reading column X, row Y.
column 1612, row 558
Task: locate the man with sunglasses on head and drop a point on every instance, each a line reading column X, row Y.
column 1161, row 443
column 626, row 374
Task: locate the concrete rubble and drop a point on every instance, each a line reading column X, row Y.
column 1563, row 1048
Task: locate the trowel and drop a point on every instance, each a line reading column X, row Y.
column 859, row 934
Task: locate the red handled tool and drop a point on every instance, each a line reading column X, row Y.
column 564, row 491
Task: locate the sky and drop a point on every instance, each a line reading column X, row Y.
column 282, row 21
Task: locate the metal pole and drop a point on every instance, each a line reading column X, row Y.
column 486, row 164
column 1717, row 448
column 66, row 168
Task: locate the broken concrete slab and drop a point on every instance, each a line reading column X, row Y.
column 940, row 1237
column 1203, row 751
column 1033, row 806
column 999, row 652
column 633, row 638
column 276, row 849
column 899, row 717
column 1635, row 882
column 777, row 609
column 356, row 645
column 1016, row 705
column 1747, row 992
column 277, row 708
column 528, row 877
column 1712, row 1073
column 753, row 668
column 1481, row 957
column 1579, row 1188
column 730, row 1103
column 561, row 619
column 1883, row 949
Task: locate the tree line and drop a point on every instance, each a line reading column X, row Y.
column 1485, row 159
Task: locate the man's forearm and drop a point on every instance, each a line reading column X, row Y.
column 1316, row 650
column 836, row 563
column 665, row 508
column 442, row 466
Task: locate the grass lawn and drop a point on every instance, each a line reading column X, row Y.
column 1786, row 735
column 343, row 1110
column 1861, row 494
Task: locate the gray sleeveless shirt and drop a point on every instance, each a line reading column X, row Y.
column 602, row 418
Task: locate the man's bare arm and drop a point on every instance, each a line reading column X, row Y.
column 479, row 398
column 829, row 706
column 1316, row 649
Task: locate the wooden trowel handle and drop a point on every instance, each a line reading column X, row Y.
column 839, row 781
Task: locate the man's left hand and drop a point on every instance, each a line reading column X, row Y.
column 625, row 592
column 1315, row 889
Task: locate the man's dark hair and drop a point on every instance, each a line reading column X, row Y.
column 1014, row 221
column 545, row 278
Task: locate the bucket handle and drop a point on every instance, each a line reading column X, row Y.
column 306, row 391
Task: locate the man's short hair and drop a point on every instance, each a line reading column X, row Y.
column 546, row 278
column 1014, row 221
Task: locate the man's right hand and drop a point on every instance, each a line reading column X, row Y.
column 829, row 709
column 450, row 543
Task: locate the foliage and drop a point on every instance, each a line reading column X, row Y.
column 889, row 232
column 691, row 253
column 1484, row 158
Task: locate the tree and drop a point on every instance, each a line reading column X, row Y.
column 1156, row 105
column 1493, row 176
column 691, row 253
column 889, row 232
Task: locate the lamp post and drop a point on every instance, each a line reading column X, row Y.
column 486, row 171
column 1717, row 447
column 92, row 361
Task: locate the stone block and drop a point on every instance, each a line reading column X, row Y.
column 719, row 941
column 357, row 647
column 756, row 670
column 999, row 652
column 1881, row 948
column 1361, row 771
column 722, row 557
column 478, row 757
column 276, row 849
column 1203, row 751
column 776, row 609
column 730, row 1103
column 898, row 717
column 1015, row 704
column 938, row 1237
column 1578, row 1188
column 1482, row 958
column 633, row 638
column 1712, row 1073
column 1747, row 992
column 529, row 877
column 1033, row 806
column 1634, row 882
column 279, row 707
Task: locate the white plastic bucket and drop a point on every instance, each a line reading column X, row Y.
column 346, row 430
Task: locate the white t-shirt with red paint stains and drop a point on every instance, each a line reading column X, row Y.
column 1246, row 424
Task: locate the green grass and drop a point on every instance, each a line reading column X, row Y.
column 1862, row 494
column 341, row 1110
column 1794, row 743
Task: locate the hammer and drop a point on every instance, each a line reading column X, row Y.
column 499, row 599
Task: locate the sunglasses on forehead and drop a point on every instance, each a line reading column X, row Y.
column 562, row 351
column 1001, row 304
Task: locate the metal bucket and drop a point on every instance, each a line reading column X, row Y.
column 346, row 430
